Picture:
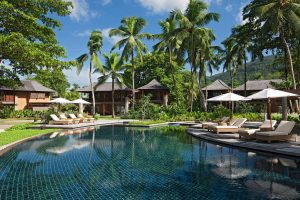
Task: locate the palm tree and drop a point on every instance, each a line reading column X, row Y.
column 168, row 44
column 113, row 69
column 228, row 56
column 94, row 45
column 279, row 17
column 191, row 27
column 130, row 32
column 241, row 46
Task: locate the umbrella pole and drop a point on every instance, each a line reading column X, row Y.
column 270, row 111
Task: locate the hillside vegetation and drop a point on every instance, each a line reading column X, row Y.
column 264, row 69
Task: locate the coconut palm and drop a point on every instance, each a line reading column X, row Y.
column 113, row 69
column 241, row 46
column 191, row 27
column 228, row 56
column 94, row 45
column 168, row 44
column 131, row 42
column 279, row 17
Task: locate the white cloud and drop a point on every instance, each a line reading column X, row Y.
column 105, row 2
column 105, row 34
column 159, row 6
column 239, row 17
column 113, row 39
column 228, row 8
column 81, row 10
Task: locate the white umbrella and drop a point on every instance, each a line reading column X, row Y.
column 80, row 102
column 60, row 100
column 270, row 94
column 230, row 97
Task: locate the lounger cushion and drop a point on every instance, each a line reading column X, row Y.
column 225, row 127
column 271, row 133
column 248, row 131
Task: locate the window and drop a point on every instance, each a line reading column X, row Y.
column 35, row 95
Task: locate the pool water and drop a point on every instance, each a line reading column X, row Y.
column 130, row 163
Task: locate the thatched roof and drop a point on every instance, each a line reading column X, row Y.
column 153, row 85
column 217, row 85
column 104, row 87
column 30, row 86
column 256, row 85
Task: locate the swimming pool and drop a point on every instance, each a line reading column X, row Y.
column 130, row 163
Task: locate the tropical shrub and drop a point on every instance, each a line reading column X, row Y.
column 19, row 127
column 9, row 112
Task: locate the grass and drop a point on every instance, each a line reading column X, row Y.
column 146, row 122
column 19, row 132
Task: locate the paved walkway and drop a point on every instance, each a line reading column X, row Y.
column 284, row 148
column 7, row 123
column 80, row 125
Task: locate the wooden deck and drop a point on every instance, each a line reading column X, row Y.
column 81, row 125
column 282, row 148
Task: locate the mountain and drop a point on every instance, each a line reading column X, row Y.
column 264, row 69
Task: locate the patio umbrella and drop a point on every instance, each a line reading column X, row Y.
column 60, row 101
column 80, row 102
column 270, row 94
column 228, row 97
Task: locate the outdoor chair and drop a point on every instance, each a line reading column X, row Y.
column 230, row 123
column 205, row 125
column 234, row 128
column 250, row 133
column 90, row 119
column 56, row 121
column 281, row 133
column 63, row 117
column 81, row 120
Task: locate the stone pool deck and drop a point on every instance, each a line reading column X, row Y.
column 282, row 148
column 82, row 125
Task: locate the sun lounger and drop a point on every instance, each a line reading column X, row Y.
column 64, row 117
column 90, row 119
column 56, row 121
column 81, row 120
column 224, row 120
column 250, row 133
column 230, row 123
column 230, row 128
column 282, row 132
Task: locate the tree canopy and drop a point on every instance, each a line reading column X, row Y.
column 27, row 38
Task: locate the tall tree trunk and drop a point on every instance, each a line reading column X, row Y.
column 192, row 89
column 132, row 77
column 200, row 76
column 206, row 92
column 92, row 88
column 173, row 75
column 113, row 97
column 289, row 55
column 245, row 76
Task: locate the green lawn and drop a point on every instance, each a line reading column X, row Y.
column 146, row 122
column 7, row 137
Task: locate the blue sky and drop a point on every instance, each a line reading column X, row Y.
column 88, row 15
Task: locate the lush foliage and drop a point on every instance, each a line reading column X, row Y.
column 27, row 37
column 9, row 112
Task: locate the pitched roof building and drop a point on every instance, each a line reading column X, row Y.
column 256, row 85
column 153, row 85
column 217, row 85
column 30, row 95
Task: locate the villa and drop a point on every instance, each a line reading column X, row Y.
column 123, row 96
column 30, row 95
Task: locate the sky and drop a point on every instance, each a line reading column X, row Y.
column 88, row 15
